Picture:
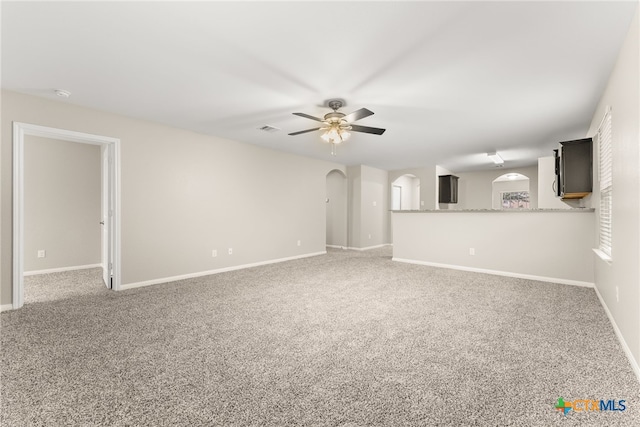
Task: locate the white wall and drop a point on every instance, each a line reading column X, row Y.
column 415, row 194
column 336, row 209
column 369, row 202
column 185, row 194
column 475, row 189
column 375, row 207
column 354, row 183
column 552, row 245
column 61, row 203
column 547, row 198
column 622, row 276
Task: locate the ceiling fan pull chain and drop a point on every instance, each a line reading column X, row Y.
column 333, row 149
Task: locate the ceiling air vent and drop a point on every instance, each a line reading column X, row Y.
column 268, row 128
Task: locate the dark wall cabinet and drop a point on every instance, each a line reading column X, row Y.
column 447, row 189
column 574, row 169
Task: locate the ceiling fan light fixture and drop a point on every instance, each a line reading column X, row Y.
column 335, row 135
column 336, row 126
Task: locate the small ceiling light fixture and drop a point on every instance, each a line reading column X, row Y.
column 337, row 129
column 62, row 93
column 496, row 158
column 336, row 133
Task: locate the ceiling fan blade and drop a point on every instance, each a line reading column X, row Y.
column 358, row 114
column 367, row 129
column 309, row 117
column 304, row 131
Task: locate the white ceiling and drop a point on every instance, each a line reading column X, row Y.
column 449, row 81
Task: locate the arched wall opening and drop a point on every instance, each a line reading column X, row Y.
column 511, row 191
column 405, row 193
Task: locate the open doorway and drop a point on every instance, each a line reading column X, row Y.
column 62, row 215
column 405, row 193
column 108, row 217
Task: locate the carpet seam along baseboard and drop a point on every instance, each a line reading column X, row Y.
column 499, row 273
column 61, row 269
column 623, row 342
column 215, row 271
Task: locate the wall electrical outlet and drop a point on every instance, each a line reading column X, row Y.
column 369, row 236
column 299, row 243
column 375, row 203
column 230, row 251
column 214, row 253
column 472, row 251
column 42, row 253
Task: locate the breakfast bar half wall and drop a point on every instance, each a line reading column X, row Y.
column 541, row 244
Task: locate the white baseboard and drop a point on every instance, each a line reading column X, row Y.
column 58, row 270
column 366, row 248
column 623, row 343
column 336, row 247
column 216, row 271
column 499, row 273
column 6, row 307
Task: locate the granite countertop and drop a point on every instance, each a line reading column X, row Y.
column 495, row 210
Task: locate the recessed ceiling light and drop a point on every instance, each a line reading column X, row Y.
column 62, row 93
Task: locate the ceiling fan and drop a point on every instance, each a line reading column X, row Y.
column 336, row 125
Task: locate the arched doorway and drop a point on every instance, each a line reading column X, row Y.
column 336, row 209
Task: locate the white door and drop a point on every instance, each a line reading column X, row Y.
column 107, row 217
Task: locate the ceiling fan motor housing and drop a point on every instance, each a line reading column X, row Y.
column 334, row 116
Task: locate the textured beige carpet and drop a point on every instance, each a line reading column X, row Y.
column 346, row 339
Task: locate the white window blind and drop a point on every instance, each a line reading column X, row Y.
column 606, row 182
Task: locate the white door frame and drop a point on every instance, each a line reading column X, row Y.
column 106, row 215
column 20, row 130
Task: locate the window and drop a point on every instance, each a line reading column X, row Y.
column 515, row 199
column 606, row 183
